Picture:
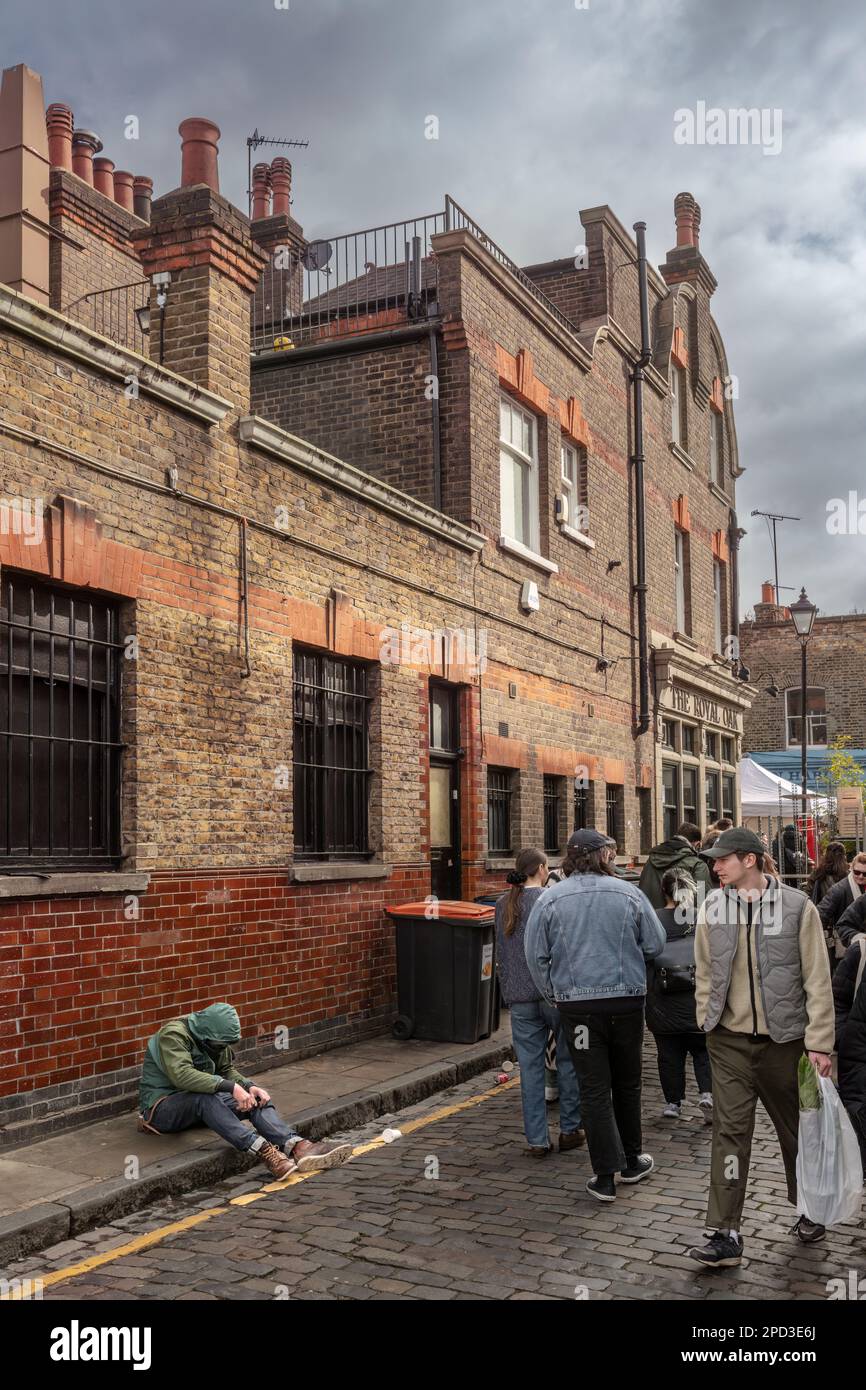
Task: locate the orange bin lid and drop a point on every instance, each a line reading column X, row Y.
column 445, row 910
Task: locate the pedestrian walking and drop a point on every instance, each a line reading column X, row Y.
column 189, row 1078
column 670, row 1000
column 587, row 942
column 849, row 995
column 680, row 852
column 532, row 1017
column 832, row 868
column 839, row 898
column 763, row 996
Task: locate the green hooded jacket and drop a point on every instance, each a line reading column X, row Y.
column 672, row 854
column 191, row 1054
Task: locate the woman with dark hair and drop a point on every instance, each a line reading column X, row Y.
column 587, row 943
column 831, row 868
column 532, row 1017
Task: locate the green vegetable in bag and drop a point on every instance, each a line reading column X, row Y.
column 807, row 1084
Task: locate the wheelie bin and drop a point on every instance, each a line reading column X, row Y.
column 445, row 971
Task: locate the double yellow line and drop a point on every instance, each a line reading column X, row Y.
column 163, row 1232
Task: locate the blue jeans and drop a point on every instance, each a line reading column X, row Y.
column 220, row 1113
column 529, row 1028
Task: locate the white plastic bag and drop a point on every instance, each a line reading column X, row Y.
column 829, row 1168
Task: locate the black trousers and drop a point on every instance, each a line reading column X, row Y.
column 673, row 1049
column 606, row 1051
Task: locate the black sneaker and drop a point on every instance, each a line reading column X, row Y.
column 721, row 1252
column 638, row 1167
column 602, row 1187
column 808, row 1231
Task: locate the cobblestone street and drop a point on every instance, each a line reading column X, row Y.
column 494, row 1224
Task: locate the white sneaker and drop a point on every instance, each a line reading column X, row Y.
column 706, row 1105
column 671, row 1111
column 551, row 1093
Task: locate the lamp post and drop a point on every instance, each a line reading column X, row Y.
column 803, row 616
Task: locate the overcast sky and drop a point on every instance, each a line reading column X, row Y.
column 545, row 108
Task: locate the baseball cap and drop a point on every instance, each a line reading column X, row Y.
column 730, row 841
column 589, row 840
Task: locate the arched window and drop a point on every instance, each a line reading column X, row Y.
column 816, row 717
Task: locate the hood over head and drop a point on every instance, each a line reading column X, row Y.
column 217, row 1024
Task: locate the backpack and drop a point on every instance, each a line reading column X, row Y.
column 675, row 967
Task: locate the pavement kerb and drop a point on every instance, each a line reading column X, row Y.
column 48, row 1223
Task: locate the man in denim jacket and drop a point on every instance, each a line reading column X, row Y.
column 587, row 943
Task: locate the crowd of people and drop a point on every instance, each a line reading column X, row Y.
column 727, row 965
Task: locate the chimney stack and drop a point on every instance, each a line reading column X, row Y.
column 123, row 182
column 142, row 194
column 199, row 153
column 59, row 122
column 261, row 192
column 84, row 146
column 205, row 245
column 24, row 175
column 769, row 610
column 281, row 181
column 103, row 176
column 684, row 261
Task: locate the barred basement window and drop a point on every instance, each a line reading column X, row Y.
column 551, row 815
column 60, row 749
column 498, row 810
column 331, row 757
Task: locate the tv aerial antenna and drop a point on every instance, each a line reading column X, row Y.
column 771, row 519
column 253, row 143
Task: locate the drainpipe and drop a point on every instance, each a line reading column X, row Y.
column 734, row 537
column 434, row 403
column 638, row 459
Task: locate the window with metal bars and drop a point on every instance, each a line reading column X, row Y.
column 330, row 757
column 551, row 815
column 498, row 810
column 60, row 748
column 612, row 800
column 581, row 806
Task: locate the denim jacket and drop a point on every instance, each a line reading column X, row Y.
column 589, row 937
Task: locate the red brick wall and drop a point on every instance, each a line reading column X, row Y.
column 82, row 986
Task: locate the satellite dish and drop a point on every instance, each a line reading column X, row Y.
column 316, row 255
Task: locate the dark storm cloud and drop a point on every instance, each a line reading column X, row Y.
column 545, row 108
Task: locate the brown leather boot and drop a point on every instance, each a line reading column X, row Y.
column 327, row 1153
column 575, row 1140
column 276, row 1162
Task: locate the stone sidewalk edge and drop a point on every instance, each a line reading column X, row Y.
column 48, row 1223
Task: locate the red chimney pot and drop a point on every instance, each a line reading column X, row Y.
column 281, row 179
column 684, row 214
column 123, row 189
column 84, row 146
column 261, row 191
column 199, row 162
column 59, row 122
column 103, row 176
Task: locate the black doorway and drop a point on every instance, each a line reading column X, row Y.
column 445, row 754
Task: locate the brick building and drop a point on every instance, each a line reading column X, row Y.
column 290, row 636
column 835, row 692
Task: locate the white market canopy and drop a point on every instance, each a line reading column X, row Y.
column 763, row 793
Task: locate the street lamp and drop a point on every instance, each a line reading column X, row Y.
column 803, row 616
